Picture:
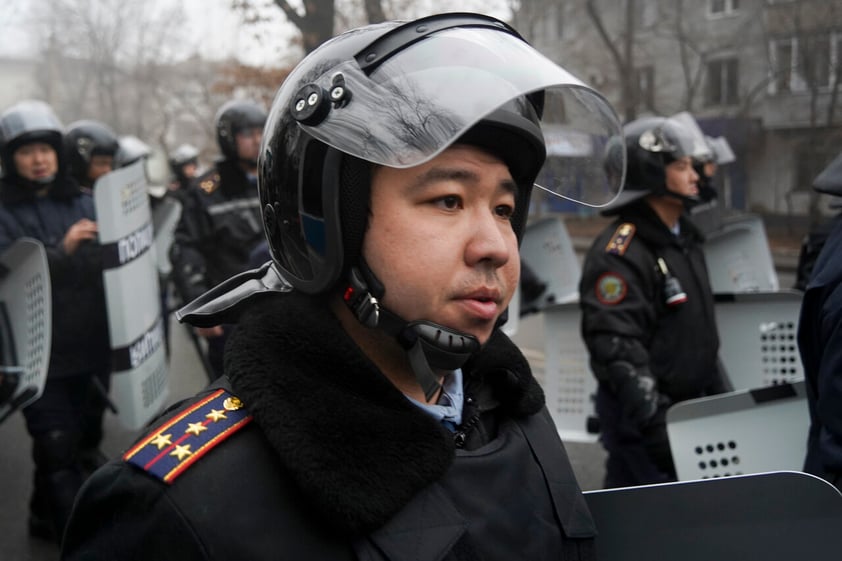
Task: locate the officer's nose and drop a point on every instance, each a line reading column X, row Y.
column 491, row 239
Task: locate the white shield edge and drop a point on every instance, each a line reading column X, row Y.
column 27, row 299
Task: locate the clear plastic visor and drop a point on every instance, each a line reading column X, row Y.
column 423, row 98
column 694, row 142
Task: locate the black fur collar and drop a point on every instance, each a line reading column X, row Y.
column 16, row 190
column 353, row 443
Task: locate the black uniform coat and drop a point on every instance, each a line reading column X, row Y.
column 221, row 222
column 821, row 354
column 338, row 464
column 79, row 318
column 680, row 343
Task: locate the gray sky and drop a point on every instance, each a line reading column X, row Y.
column 211, row 27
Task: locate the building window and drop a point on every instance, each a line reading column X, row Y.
column 815, row 61
column 810, row 62
column 723, row 7
column 722, row 82
column 645, row 82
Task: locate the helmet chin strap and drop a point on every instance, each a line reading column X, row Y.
column 428, row 345
column 689, row 202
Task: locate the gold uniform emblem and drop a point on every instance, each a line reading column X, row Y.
column 619, row 242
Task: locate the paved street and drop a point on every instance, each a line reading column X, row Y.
column 16, row 466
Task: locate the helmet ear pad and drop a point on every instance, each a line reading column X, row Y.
column 333, row 208
column 355, row 206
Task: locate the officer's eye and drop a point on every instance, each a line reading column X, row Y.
column 504, row 211
column 450, row 202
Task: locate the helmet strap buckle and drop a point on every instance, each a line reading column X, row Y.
column 358, row 297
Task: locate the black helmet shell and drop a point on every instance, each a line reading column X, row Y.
column 26, row 122
column 84, row 139
column 398, row 94
column 233, row 117
column 651, row 143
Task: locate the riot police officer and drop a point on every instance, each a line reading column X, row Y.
column 373, row 409
column 41, row 201
column 647, row 306
column 184, row 165
column 818, row 329
column 91, row 147
column 221, row 216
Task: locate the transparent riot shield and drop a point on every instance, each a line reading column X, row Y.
column 25, row 322
column 140, row 378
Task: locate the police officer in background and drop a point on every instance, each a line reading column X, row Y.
column 647, row 306
column 375, row 410
column 41, row 201
column 221, row 216
column 91, row 147
column 184, row 165
column 819, row 344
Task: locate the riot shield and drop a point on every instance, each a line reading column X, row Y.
column 738, row 256
column 25, row 321
column 140, row 379
column 778, row 516
column 568, row 382
column 548, row 251
column 741, row 432
column 165, row 217
column 757, row 334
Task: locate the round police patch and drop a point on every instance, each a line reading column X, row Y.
column 611, row 288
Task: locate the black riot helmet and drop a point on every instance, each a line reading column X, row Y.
column 27, row 122
column 85, row 139
column 652, row 143
column 398, row 94
column 233, row 117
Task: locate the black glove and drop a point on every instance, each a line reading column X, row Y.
column 9, row 380
column 636, row 390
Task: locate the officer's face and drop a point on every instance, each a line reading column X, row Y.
column 99, row 166
column 248, row 143
column 36, row 161
column 189, row 169
column 682, row 179
column 440, row 239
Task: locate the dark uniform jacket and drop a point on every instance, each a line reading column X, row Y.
column 220, row 224
column 622, row 294
column 821, row 354
column 79, row 319
column 333, row 462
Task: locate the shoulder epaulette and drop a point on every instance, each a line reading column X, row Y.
column 176, row 445
column 619, row 242
column 210, row 183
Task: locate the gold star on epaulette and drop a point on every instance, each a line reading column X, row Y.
column 195, row 428
column 181, row 452
column 162, row 441
column 215, row 415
